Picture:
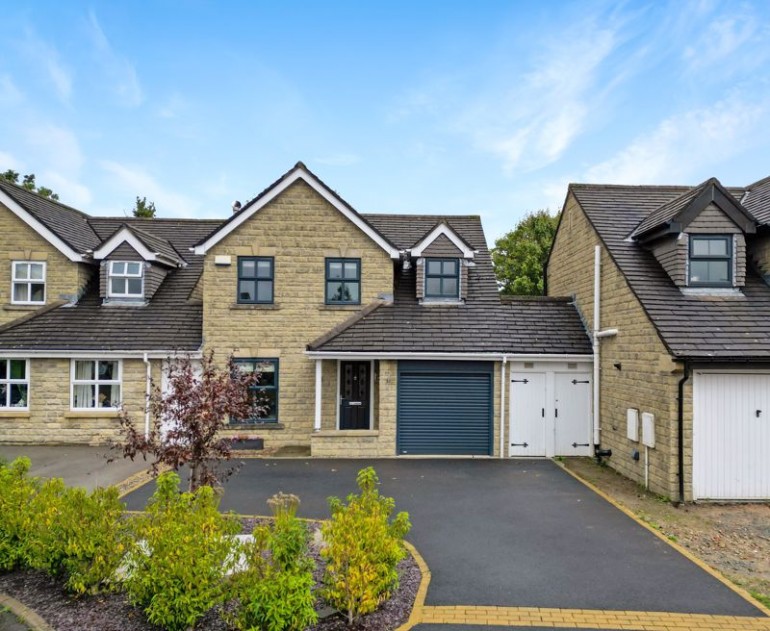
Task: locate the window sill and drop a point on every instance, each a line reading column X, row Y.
column 269, row 425
column 356, row 307
column 442, row 302
column 10, row 413
column 92, row 414
column 12, row 307
column 118, row 302
column 256, row 306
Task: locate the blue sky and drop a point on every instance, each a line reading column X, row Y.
column 484, row 107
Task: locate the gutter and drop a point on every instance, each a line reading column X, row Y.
column 97, row 354
column 554, row 357
column 680, row 431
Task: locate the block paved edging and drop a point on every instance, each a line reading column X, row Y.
column 589, row 619
column 24, row 613
column 680, row 549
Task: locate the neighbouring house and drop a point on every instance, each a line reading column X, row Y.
column 679, row 276
column 376, row 335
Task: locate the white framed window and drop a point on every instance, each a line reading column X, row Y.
column 96, row 383
column 14, row 383
column 28, row 280
column 126, row 279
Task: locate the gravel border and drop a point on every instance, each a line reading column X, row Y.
column 112, row 612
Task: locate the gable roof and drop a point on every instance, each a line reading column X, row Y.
column 299, row 172
column 673, row 216
column 442, row 229
column 63, row 227
column 707, row 328
column 483, row 324
column 149, row 246
column 171, row 321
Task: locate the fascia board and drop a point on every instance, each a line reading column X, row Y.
column 40, row 228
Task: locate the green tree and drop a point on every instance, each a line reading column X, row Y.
column 28, row 183
column 143, row 208
column 520, row 255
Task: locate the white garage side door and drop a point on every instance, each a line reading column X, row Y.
column 731, row 436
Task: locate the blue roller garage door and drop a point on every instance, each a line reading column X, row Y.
column 444, row 408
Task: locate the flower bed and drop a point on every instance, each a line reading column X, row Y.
column 78, row 561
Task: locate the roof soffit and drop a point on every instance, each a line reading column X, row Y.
column 125, row 235
column 445, row 230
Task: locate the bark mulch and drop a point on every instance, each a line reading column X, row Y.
column 112, row 612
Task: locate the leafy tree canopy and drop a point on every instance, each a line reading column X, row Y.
column 143, row 208
column 28, row 183
column 520, row 255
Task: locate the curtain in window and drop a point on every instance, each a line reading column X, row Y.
column 83, row 395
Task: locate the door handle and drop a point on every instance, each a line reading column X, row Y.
column 759, row 412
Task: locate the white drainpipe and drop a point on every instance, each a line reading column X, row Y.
column 147, row 397
column 596, row 339
column 597, row 324
column 503, row 384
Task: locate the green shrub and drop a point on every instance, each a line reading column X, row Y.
column 183, row 550
column 363, row 548
column 78, row 535
column 17, row 490
column 274, row 592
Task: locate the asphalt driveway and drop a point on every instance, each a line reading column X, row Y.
column 503, row 532
column 78, row 465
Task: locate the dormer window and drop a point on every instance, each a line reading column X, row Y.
column 126, row 279
column 442, row 278
column 711, row 261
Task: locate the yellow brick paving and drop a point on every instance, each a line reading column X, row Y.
column 540, row 617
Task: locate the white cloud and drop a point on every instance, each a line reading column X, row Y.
column 723, row 37
column 121, row 72
column 685, row 144
column 57, row 160
column 9, row 92
column 47, row 57
column 531, row 119
column 57, row 147
column 136, row 181
column 69, row 190
column 10, row 161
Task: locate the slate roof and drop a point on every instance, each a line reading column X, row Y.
column 756, row 200
column 156, row 244
column 70, row 225
column 707, row 328
column 171, row 321
column 667, row 211
column 483, row 324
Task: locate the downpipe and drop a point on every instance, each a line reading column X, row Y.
column 680, row 431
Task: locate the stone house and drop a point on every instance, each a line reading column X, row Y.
column 673, row 283
column 376, row 335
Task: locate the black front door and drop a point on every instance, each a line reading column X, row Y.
column 354, row 395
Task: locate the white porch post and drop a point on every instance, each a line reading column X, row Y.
column 318, row 373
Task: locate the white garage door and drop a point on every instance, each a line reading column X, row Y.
column 731, row 436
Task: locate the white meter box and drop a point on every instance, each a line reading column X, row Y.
column 632, row 424
column 648, row 429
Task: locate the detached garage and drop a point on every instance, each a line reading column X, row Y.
column 731, row 435
column 445, row 408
